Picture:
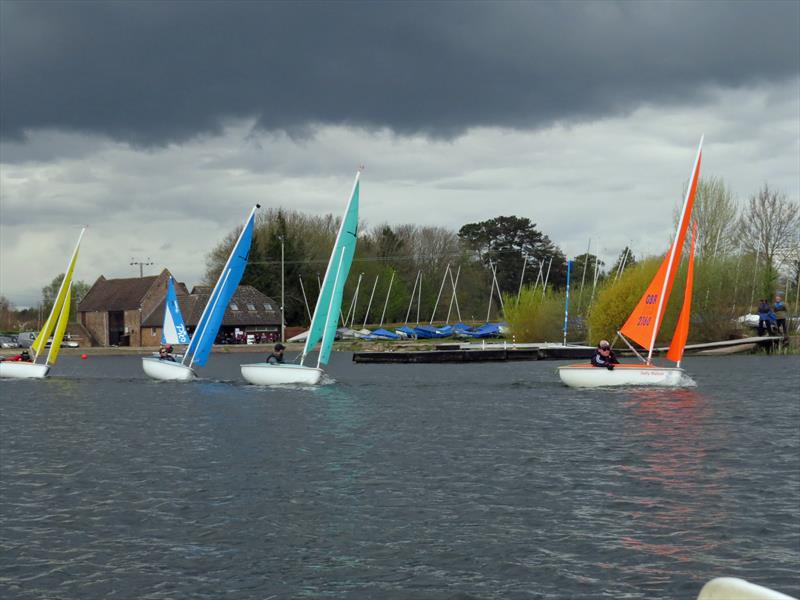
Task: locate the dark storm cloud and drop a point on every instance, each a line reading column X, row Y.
column 155, row 72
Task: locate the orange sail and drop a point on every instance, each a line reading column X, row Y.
column 681, row 334
column 644, row 322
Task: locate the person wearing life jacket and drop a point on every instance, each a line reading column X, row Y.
column 21, row 357
column 276, row 356
column 604, row 356
column 165, row 353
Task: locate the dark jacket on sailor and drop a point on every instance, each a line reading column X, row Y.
column 598, row 360
column 274, row 359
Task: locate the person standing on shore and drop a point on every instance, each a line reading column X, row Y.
column 781, row 316
column 765, row 317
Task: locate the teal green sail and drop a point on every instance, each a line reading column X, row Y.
column 326, row 313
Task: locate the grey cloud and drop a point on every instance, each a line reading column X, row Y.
column 153, row 73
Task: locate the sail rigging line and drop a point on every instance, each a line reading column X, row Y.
column 369, row 305
column 305, row 298
column 583, row 277
column 629, row 345
column 497, row 284
column 539, row 275
column 419, row 296
column 439, row 295
column 454, row 297
column 547, row 277
column 594, row 283
column 675, row 250
column 755, row 272
column 522, row 277
column 491, row 294
column 566, row 302
column 411, row 299
column 386, row 303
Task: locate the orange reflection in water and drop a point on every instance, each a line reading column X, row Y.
column 670, row 429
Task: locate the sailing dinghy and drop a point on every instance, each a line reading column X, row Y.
column 203, row 337
column 56, row 325
column 644, row 322
column 326, row 313
column 173, row 330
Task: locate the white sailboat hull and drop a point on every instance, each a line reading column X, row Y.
column 267, row 374
column 166, row 370
column 588, row 376
column 23, row 370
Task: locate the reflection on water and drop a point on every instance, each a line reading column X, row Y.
column 679, row 482
column 399, row 481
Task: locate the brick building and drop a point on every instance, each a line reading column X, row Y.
column 130, row 312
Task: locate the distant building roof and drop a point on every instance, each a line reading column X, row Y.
column 247, row 307
column 116, row 294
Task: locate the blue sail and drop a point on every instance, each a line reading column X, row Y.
column 229, row 278
column 174, row 330
column 326, row 313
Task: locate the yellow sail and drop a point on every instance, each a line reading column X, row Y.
column 44, row 334
column 55, row 347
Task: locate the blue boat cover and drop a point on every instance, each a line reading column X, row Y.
column 407, row 330
column 430, row 332
column 485, row 331
column 383, row 333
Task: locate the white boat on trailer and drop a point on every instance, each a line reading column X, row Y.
column 56, row 325
column 326, row 312
column 644, row 322
column 206, row 332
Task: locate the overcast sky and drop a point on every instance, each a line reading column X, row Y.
column 160, row 124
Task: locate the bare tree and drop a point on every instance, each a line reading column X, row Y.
column 769, row 225
column 715, row 213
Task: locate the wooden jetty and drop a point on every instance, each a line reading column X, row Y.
column 503, row 351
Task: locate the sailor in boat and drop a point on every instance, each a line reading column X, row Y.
column 604, row 356
column 165, row 353
column 276, row 356
column 23, row 356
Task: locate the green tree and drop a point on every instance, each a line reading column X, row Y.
column 50, row 291
column 505, row 242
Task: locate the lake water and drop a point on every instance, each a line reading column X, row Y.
column 398, row 482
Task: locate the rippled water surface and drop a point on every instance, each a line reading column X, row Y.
column 397, row 481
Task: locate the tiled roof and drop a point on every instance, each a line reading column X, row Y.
column 116, row 294
column 244, row 298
